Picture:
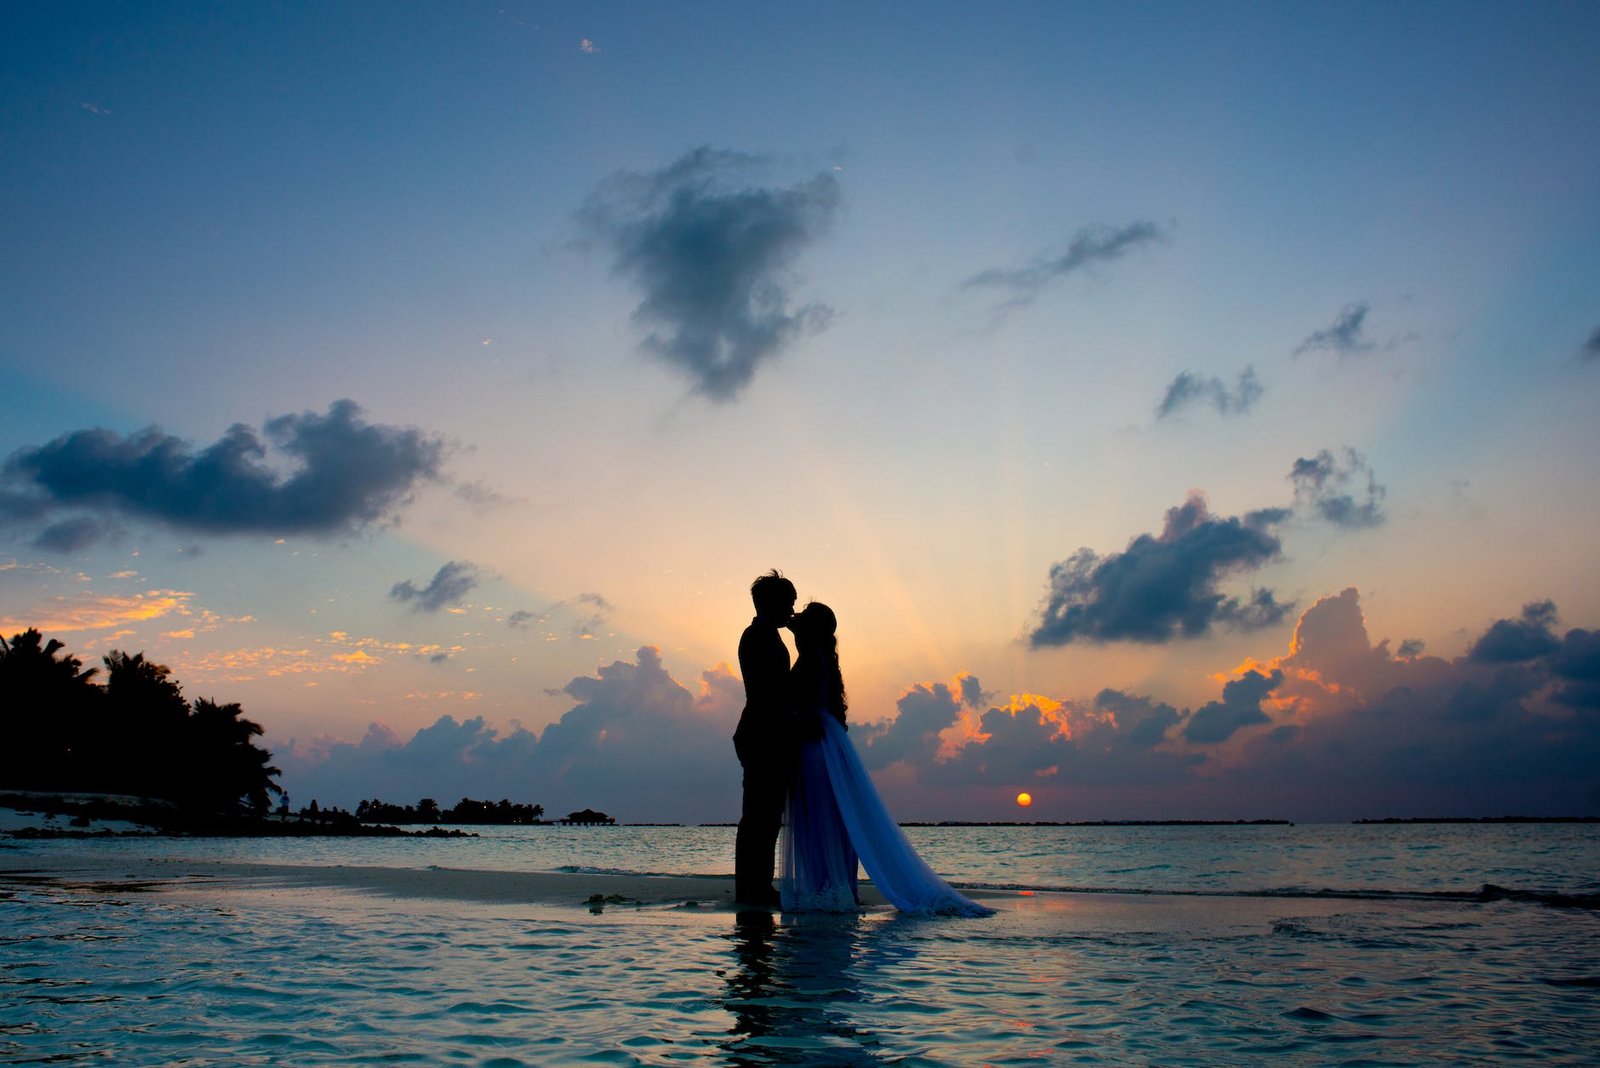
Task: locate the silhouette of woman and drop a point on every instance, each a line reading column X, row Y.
column 834, row 814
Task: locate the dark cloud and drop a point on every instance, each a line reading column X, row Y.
column 1411, row 648
column 913, row 734
column 1240, row 707
column 342, row 474
column 1321, row 484
column 1577, row 665
column 1591, row 347
column 70, row 535
column 521, row 618
column 711, row 253
column 449, row 585
column 1140, row 722
column 1164, row 586
column 1346, row 336
column 1090, row 246
column 1190, row 389
column 21, row 508
column 1511, row 641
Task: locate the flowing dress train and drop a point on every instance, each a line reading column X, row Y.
column 835, row 816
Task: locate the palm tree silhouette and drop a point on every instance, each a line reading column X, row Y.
column 48, row 700
column 136, row 734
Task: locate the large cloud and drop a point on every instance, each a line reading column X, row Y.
column 1322, row 484
column 1164, row 586
column 342, row 473
column 1189, row 389
column 1089, row 246
column 710, row 252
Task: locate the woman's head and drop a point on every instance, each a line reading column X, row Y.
column 813, row 624
column 813, row 628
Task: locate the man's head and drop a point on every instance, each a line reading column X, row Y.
column 774, row 597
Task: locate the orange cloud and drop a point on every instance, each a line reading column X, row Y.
column 71, row 615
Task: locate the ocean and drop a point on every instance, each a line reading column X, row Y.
column 1246, row 944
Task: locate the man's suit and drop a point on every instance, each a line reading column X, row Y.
column 766, row 752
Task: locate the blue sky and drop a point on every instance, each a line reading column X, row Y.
column 1078, row 355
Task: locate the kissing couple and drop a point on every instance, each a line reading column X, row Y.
column 803, row 778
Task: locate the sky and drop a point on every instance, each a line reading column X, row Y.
column 1188, row 410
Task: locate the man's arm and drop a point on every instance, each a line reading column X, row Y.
column 764, row 663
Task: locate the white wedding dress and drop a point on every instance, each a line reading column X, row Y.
column 834, row 816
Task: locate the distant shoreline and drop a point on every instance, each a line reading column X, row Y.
column 105, row 816
column 1480, row 819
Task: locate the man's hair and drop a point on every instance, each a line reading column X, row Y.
column 772, row 591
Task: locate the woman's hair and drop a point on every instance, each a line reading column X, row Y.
column 818, row 664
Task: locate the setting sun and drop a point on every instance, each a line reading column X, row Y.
column 1024, row 799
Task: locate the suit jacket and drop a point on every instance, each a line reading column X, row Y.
column 764, row 663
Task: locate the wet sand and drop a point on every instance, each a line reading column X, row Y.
column 435, row 883
column 1083, row 912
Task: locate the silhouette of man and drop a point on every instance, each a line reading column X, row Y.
column 763, row 739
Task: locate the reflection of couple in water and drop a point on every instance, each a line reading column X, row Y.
column 802, row 775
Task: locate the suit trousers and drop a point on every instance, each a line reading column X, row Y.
column 766, row 788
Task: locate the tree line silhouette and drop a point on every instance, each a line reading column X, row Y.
column 60, row 730
column 465, row 811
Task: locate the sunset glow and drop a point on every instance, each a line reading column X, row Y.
column 1203, row 445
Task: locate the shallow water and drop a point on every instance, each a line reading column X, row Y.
column 1409, row 858
column 275, row 977
column 199, row 974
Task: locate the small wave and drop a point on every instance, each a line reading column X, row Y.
column 1310, row 1015
column 585, row 869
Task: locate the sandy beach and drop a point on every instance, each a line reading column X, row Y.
column 433, row 883
column 620, row 893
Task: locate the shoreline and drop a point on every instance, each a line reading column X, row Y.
column 486, row 887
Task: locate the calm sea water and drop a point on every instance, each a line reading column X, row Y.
column 1200, row 945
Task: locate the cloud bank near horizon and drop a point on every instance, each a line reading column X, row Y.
column 1336, row 727
column 636, row 744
